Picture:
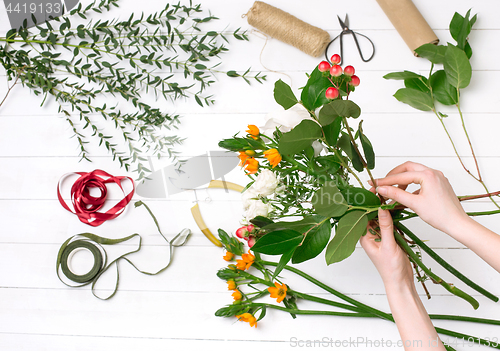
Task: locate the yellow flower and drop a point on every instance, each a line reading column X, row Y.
column 248, row 317
column 228, row 256
column 251, row 165
column 236, row 295
column 245, row 262
column 254, row 131
column 273, row 156
column 278, row 292
column 231, row 285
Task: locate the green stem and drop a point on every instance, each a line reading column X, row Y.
column 324, row 301
column 445, row 264
column 450, row 287
column 313, row 312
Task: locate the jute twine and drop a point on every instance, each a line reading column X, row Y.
column 288, row 29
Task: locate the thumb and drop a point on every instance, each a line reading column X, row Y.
column 396, row 194
column 386, row 227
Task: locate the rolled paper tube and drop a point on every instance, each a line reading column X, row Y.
column 409, row 23
column 288, row 29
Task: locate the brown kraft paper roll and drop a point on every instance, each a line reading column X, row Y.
column 409, row 23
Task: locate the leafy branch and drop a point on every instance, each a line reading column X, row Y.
column 108, row 68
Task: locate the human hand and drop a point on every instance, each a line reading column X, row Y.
column 391, row 262
column 435, row 202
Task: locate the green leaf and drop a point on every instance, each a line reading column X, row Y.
column 368, row 150
column 443, row 91
column 460, row 28
column 457, row 67
column 316, row 239
column 299, row 138
column 432, row 52
column 313, row 94
column 283, row 95
column 417, row 84
column 357, row 163
column 338, row 108
column 349, row 229
column 344, row 143
column 285, row 258
column 300, row 226
column 278, row 242
column 402, row 75
column 360, row 197
column 261, row 221
column 328, row 201
column 415, row 98
column 332, row 131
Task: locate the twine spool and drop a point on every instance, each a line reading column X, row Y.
column 288, row 29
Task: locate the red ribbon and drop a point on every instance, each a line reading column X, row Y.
column 86, row 206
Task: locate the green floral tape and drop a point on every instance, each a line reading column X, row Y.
column 66, row 257
column 94, row 243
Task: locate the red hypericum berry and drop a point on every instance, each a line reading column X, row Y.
column 242, row 232
column 336, row 71
column 335, row 59
column 349, row 70
column 251, row 241
column 354, row 81
column 250, row 228
column 323, row 66
column 331, row 93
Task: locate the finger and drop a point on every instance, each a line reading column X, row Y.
column 386, row 228
column 401, row 179
column 368, row 243
column 408, row 167
column 401, row 196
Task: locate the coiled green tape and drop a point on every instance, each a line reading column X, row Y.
column 75, row 246
column 93, row 243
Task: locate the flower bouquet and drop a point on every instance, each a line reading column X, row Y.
column 304, row 165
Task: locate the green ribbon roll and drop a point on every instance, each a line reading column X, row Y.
column 93, row 243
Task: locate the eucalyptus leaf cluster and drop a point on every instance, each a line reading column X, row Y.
column 118, row 71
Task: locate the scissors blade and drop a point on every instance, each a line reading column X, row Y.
column 344, row 24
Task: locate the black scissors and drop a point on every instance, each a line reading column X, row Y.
column 345, row 30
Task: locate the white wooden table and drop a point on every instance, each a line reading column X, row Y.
column 176, row 309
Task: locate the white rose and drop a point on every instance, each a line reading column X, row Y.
column 266, row 183
column 318, row 147
column 257, row 208
column 285, row 120
column 248, row 197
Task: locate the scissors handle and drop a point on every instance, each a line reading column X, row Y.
column 340, row 36
column 359, row 49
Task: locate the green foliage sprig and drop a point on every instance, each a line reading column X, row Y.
column 444, row 86
column 108, row 68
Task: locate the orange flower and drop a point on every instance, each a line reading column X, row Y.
column 236, row 295
column 278, row 292
column 228, row 256
column 243, row 158
column 248, row 317
column 251, row 165
column 273, row 156
column 245, row 262
column 253, row 131
column 231, row 285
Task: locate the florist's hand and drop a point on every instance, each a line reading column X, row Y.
column 391, row 262
column 435, row 202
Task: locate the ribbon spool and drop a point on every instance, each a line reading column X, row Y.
column 288, row 29
column 67, row 254
column 93, row 243
column 86, row 206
